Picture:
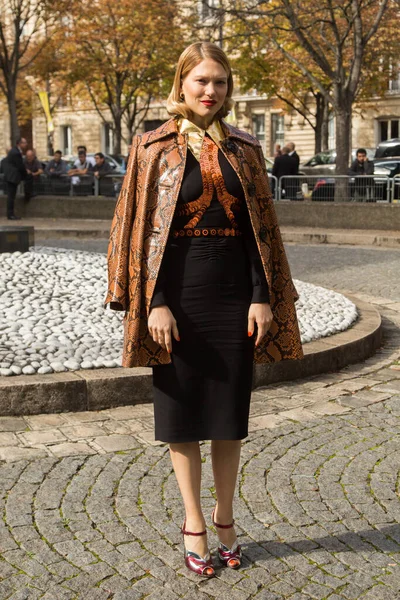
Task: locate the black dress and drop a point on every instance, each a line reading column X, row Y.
column 208, row 283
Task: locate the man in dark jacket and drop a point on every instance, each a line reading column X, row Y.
column 360, row 168
column 101, row 167
column 56, row 167
column 14, row 173
column 100, row 170
column 286, row 165
column 293, row 153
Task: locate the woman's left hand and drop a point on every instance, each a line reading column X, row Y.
column 260, row 315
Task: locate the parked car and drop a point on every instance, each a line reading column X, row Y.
column 121, row 160
column 388, row 148
column 389, row 167
column 324, row 189
column 324, row 163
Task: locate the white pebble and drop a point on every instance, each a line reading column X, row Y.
column 72, row 365
column 58, row 367
column 6, row 372
column 86, row 364
column 45, row 370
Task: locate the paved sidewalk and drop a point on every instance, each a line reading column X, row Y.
column 353, row 237
column 91, row 509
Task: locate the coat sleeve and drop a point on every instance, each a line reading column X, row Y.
column 121, row 227
column 279, row 262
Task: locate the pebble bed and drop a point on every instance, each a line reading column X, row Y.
column 52, row 317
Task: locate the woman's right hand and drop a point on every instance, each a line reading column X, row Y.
column 161, row 324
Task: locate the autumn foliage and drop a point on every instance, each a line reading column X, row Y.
column 340, row 49
column 122, row 54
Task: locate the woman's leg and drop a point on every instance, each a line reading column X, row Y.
column 225, row 456
column 186, row 460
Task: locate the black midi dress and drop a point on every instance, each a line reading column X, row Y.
column 208, row 280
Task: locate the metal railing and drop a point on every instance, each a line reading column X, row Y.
column 337, row 188
column 64, row 185
column 395, row 191
column 274, row 186
column 332, row 188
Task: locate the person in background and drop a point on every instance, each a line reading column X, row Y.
column 361, row 165
column 34, row 170
column 292, row 152
column 295, row 183
column 81, row 167
column 278, row 150
column 102, row 167
column 284, row 166
column 362, row 169
column 14, row 172
column 56, row 167
column 90, row 159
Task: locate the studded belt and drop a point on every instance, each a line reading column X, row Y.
column 206, row 232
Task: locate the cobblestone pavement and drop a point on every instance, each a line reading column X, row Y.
column 91, row 509
column 372, row 271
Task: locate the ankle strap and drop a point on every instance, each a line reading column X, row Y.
column 185, row 532
column 224, row 526
column 221, row 526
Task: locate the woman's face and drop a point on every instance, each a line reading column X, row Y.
column 205, row 88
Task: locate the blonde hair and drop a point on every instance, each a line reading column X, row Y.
column 190, row 58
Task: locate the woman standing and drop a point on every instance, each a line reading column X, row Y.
column 197, row 262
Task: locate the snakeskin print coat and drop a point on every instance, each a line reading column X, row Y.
column 140, row 229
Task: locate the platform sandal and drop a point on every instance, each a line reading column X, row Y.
column 230, row 557
column 194, row 562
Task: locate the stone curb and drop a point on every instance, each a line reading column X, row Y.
column 106, row 388
column 99, row 229
column 353, row 239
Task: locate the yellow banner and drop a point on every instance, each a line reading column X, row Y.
column 44, row 99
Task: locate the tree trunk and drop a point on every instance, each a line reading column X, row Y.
column 319, row 105
column 12, row 111
column 117, row 134
column 325, row 127
column 343, row 124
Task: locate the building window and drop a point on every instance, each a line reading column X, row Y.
column 388, row 129
column 108, row 138
column 64, row 100
column 259, row 128
column 66, row 139
column 277, row 131
column 394, row 81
